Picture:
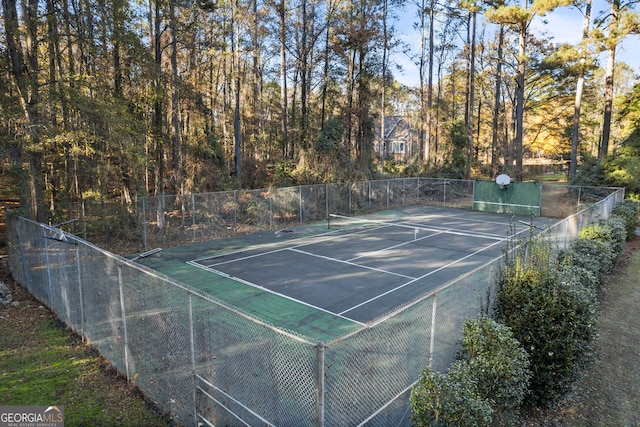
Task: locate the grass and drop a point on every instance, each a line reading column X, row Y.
column 42, row 363
column 556, row 177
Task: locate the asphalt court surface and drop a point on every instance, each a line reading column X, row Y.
column 360, row 270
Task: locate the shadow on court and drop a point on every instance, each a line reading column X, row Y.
column 354, row 271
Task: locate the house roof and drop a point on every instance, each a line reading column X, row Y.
column 391, row 125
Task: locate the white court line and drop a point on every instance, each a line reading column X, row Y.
column 313, row 242
column 352, row 263
column 434, row 228
column 459, row 217
column 453, row 231
column 395, row 246
column 329, row 236
column 425, row 275
column 262, row 288
column 318, row 238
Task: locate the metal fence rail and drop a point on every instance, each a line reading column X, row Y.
column 206, row 362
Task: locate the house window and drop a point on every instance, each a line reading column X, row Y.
column 397, row 147
column 376, row 147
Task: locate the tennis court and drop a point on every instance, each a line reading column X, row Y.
column 303, row 322
column 333, row 277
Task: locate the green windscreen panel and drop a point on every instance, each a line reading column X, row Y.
column 519, row 198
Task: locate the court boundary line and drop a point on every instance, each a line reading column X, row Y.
column 432, row 228
column 326, row 235
column 348, row 262
column 454, row 231
column 321, row 237
column 412, row 280
column 267, row 290
column 396, row 246
column 428, row 274
column 331, row 235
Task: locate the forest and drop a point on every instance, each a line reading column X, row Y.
column 110, row 100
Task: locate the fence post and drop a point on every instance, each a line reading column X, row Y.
column 46, row 253
column 473, row 196
column 124, row 323
column 444, row 191
column 321, row 384
column 300, row 201
column 271, row 191
column 404, row 191
column 235, row 212
column 579, row 195
column 21, row 244
column 80, row 294
column 388, row 191
column 433, row 328
column 193, row 215
column 326, row 200
column 193, row 359
column 84, row 221
column 144, row 222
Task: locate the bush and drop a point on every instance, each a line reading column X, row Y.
column 490, row 376
column 579, row 276
column 552, row 318
column 449, row 399
column 593, row 255
column 628, row 211
column 496, row 361
column 610, row 231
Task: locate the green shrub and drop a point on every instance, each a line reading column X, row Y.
column 593, row 255
column 628, row 211
column 610, row 231
column 552, row 318
column 579, row 276
column 449, row 399
column 496, row 361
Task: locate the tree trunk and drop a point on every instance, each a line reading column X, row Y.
column 517, row 142
column 430, row 85
column 155, row 19
column 303, row 149
column 383, row 101
column 119, row 16
column 575, row 133
column 236, row 114
column 496, row 105
column 284, row 111
column 424, row 149
column 472, row 89
column 608, row 80
column 176, row 139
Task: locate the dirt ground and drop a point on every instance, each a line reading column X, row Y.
column 609, row 394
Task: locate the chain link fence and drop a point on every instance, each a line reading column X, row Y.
column 208, row 363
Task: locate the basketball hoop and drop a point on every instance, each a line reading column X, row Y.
column 503, row 180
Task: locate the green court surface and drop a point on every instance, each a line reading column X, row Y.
column 323, row 282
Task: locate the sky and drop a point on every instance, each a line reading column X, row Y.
column 564, row 25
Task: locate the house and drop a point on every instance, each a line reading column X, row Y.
column 401, row 140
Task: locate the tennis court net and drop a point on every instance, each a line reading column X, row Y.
column 417, row 226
